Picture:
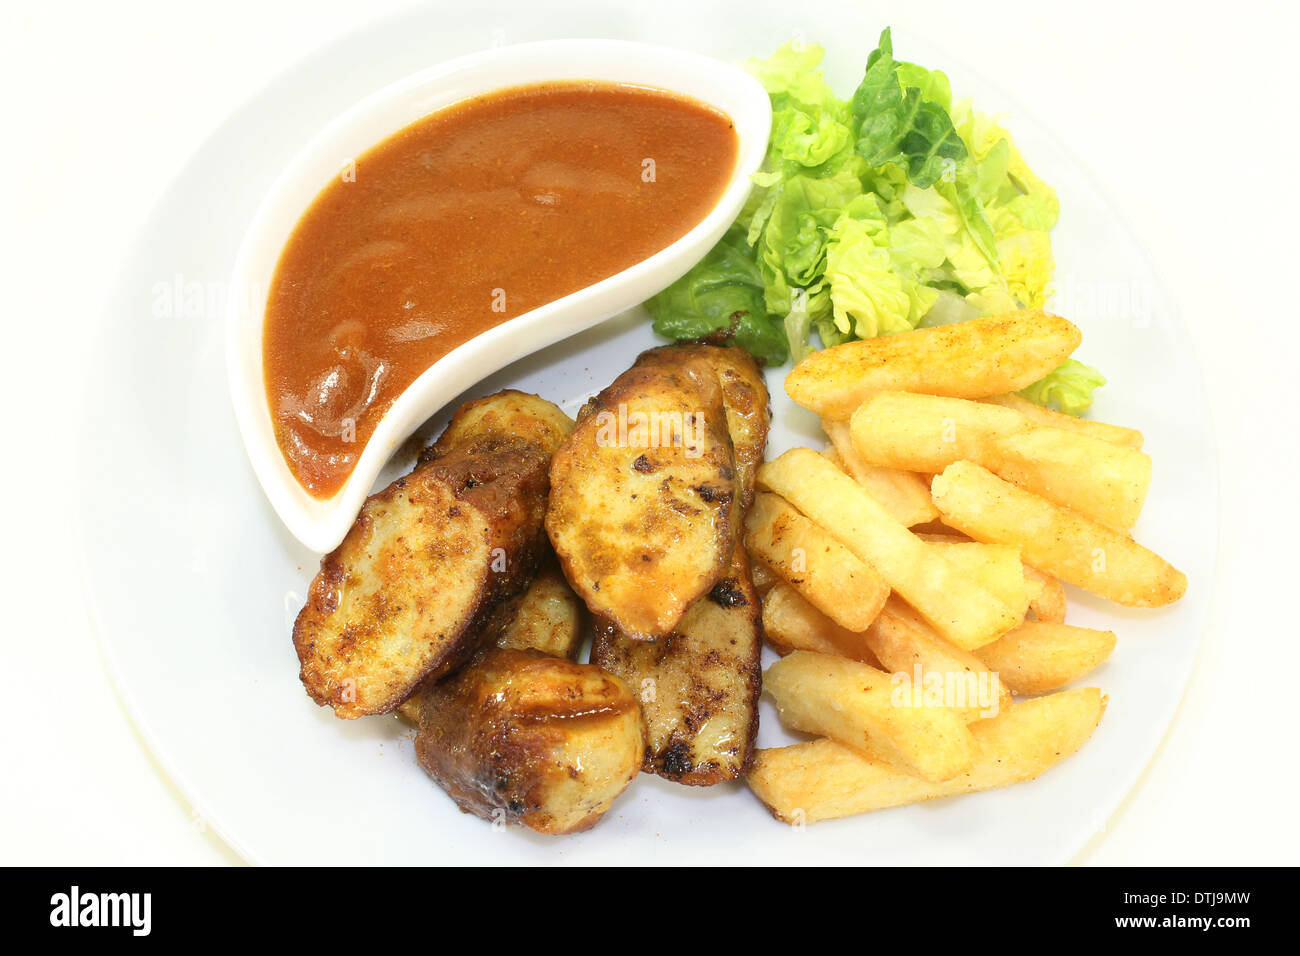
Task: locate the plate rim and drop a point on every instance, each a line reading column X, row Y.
column 118, row 288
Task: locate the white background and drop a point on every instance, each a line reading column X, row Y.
column 1188, row 123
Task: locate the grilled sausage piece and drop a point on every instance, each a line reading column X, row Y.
column 518, row 736
column 699, row 685
column 507, row 413
column 405, row 598
column 643, row 494
column 745, row 398
column 548, row 617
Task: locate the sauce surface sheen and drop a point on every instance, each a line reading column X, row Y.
column 466, row 218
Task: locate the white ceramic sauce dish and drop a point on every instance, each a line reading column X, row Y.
column 321, row 523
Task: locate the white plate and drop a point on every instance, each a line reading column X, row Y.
column 194, row 583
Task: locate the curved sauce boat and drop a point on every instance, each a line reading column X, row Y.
column 321, row 523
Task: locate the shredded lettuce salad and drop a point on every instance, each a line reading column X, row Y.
column 894, row 209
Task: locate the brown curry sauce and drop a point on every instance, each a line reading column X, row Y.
column 466, row 218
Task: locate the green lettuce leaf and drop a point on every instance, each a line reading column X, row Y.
column 898, row 124
column 722, row 294
column 810, row 124
column 897, row 208
column 792, row 245
column 1068, row 389
column 962, row 191
column 933, row 84
column 874, row 270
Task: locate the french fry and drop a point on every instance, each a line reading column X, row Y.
column 814, row 562
column 975, row 359
column 905, row 644
column 962, row 610
column 822, row 780
column 898, row 640
column 928, row 433
column 996, row 566
column 865, row 709
column 1046, row 596
column 1100, row 479
column 1055, row 539
column 1039, row 415
column 1037, row 657
column 790, row 623
column 904, row 494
